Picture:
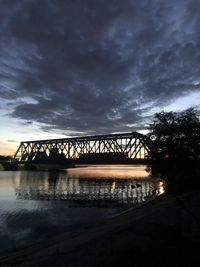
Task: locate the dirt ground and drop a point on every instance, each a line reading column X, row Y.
column 163, row 232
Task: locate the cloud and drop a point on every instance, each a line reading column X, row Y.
column 97, row 66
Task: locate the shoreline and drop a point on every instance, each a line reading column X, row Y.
column 162, row 226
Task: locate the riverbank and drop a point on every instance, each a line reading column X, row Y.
column 161, row 233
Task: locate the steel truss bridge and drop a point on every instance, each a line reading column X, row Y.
column 112, row 148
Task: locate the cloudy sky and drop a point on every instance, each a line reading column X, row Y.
column 94, row 66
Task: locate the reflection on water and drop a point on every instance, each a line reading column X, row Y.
column 95, row 186
column 97, row 191
column 37, row 205
column 109, row 171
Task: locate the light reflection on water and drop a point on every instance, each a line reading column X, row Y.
column 38, row 205
column 109, row 171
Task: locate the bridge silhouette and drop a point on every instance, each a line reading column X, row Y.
column 113, row 148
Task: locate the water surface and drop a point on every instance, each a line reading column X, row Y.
column 37, row 205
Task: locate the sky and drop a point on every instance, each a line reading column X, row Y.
column 85, row 67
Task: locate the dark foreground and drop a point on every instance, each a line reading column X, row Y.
column 165, row 232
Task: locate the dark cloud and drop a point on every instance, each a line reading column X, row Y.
column 97, row 66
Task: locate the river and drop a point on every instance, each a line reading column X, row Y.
column 37, row 205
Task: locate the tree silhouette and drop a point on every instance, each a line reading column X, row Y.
column 175, row 143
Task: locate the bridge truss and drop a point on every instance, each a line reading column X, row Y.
column 122, row 147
